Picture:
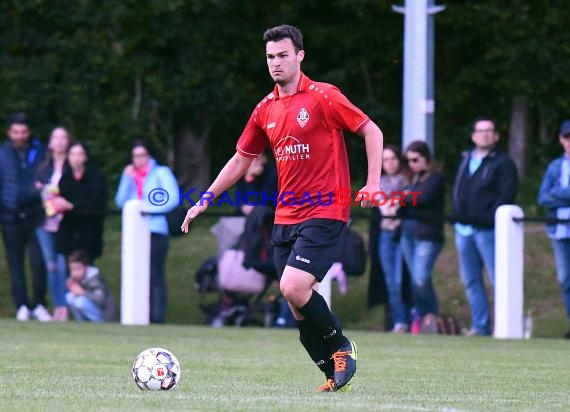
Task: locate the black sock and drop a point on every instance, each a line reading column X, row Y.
column 316, row 347
column 318, row 313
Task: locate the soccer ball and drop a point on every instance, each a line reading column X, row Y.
column 156, row 369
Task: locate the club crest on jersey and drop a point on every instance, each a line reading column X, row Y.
column 303, row 117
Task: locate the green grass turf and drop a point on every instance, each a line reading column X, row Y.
column 87, row 367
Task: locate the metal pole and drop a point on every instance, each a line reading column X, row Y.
column 418, row 89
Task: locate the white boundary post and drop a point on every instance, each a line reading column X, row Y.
column 135, row 265
column 325, row 289
column 509, row 265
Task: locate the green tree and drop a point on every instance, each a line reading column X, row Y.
column 186, row 74
column 507, row 59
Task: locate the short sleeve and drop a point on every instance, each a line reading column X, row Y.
column 340, row 112
column 253, row 139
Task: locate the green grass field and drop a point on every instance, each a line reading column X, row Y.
column 87, row 367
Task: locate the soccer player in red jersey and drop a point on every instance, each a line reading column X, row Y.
column 302, row 122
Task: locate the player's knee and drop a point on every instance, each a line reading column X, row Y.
column 287, row 288
column 291, row 289
column 295, row 293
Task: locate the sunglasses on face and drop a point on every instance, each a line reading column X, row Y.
column 413, row 159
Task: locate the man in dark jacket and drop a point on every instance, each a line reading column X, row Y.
column 20, row 213
column 486, row 179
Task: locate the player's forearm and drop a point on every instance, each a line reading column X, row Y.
column 374, row 141
column 234, row 169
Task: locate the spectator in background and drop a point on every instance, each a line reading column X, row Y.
column 377, row 291
column 47, row 180
column 393, row 179
column 486, row 179
column 259, row 182
column 140, row 179
column 21, row 212
column 258, row 188
column 88, row 298
column 422, row 232
column 83, row 200
column 554, row 194
column 254, row 188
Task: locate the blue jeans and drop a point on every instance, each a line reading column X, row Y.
column 158, row 287
column 390, row 255
column 420, row 256
column 474, row 251
column 562, row 257
column 18, row 236
column 55, row 266
column 83, row 309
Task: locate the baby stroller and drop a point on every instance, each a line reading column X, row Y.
column 241, row 276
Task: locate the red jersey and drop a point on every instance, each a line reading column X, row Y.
column 304, row 130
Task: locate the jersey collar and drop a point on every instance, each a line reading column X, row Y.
column 303, row 85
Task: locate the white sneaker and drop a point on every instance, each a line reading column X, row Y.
column 23, row 313
column 41, row 314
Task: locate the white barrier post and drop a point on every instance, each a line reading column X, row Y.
column 325, row 289
column 135, row 265
column 509, row 264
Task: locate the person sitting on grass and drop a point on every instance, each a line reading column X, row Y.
column 88, row 297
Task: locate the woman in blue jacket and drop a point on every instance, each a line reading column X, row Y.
column 554, row 194
column 156, row 186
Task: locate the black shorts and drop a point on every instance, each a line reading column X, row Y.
column 313, row 245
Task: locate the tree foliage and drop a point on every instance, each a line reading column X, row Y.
column 186, row 73
column 491, row 52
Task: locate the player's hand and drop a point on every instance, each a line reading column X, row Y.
column 365, row 196
column 192, row 214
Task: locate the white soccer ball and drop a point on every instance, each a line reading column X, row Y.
column 156, row 369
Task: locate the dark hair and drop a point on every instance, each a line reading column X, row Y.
column 484, row 119
column 421, row 147
column 285, row 32
column 395, row 149
column 79, row 256
column 69, row 135
column 141, row 143
column 82, row 145
column 404, row 170
column 47, row 163
column 18, row 118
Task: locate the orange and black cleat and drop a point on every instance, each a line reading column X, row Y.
column 328, row 386
column 344, row 364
